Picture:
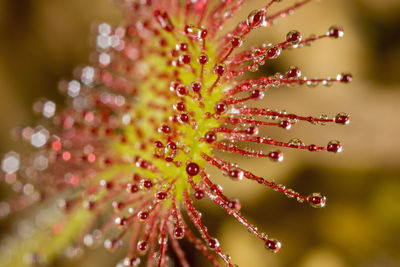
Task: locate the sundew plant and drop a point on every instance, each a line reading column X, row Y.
column 126, row 159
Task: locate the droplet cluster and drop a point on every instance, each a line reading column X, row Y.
column 142, row 121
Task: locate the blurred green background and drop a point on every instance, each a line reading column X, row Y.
column 41, row 41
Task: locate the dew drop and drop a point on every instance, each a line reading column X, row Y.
column 220, row 107
column 276, row 156
column 253, row 130
column 236, row 174
column 142, row 246
column 257, row 94
column 179, row 233
column 161, row 195
column 196, row 87
column 274, row 52
column 202, row 59
column 273, row 245
column 213, row 243
column 219, row 69
column 192, row 169
column 210, row 137
column 143, row 215
column 342, row 118
column 344, row 77
column 312, row 147
column 234, row 204
column 285, row 124
column 316, row 200
column 120, row 221
column 335, row 31
column 255, row 18
column 334, row 146
column 185, row 59
column 195, row 32
column 236, row 41
column 293, row 37
column 199, row 194
column 181, row 90
column 293, row 72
